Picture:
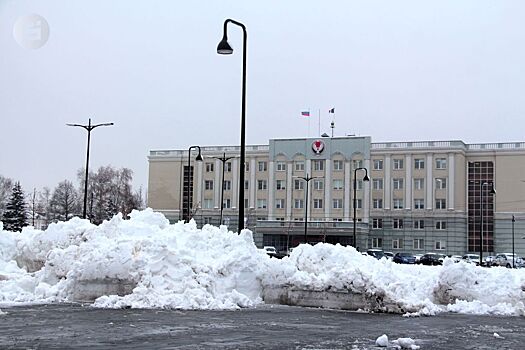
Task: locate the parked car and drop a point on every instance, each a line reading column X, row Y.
column 507, row 259
column 471, row 259
column 389, row 255
column 431, row 259
column 270, row 250
column 456, row 258
column 376, row 253
column 404, row 258
column 418, row 256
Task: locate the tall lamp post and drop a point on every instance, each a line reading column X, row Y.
column 306, row 179
column 365, row 178
column 190, row 175
column 513, row 256
column 224, row 159
column 225, row 49
column 492, row 191
column 88, row 128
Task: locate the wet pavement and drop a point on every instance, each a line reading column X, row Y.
column 75, row 326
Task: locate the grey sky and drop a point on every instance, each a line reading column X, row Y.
column 394, row 70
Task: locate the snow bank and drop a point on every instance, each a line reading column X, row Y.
column 180, row 266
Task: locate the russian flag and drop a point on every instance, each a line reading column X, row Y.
column 305, row 113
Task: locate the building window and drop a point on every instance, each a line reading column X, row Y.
column 228, row 167
column 207, row 220
column 377, row 242
column 337, row 203
column 280, row 185
column 441, row 225
column 318, row 184
column 398, row 184
column 281, row 166
column 358, row 203
column 441, row 204
column 338, row 165
column 209, row 167
column 439, row 245
column 377, row 203
column 299, row 165
column 208, row 184
column 227, row 185
column 318, row 203
column 279, row 203
column 397, row 224
column 377, row 223
column 262, row 184
column 247, row 166
column 377, row 184
column 261, row 204
column 298, row 184
column 207, row 204
column 419, row 163
column 359, row 185
column 441, row 163
column 398, row 203
column 419, row 184
column 398, row 164
column 298, row 204
column 419, row 224
column 358, row 163
column 419, row 243
column 246, row 184
column 397, row 243
column 227, row 203
column 338, row 184
column 378, row 164
column 262, row 166
column 441, row 183
column 419, row 204
column 246, row 203
column 318, row 164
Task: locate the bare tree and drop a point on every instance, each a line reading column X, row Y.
column 6, row 186
column 64, row 201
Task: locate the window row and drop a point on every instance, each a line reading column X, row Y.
column 399, row 163
column 399, row 223
column 419, row 204
column 399, row 243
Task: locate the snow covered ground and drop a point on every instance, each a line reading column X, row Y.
column 181, row 266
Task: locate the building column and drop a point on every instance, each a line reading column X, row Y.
column 218, row 184
column 235, row 183
column 347, row 190
column 429, row 198
column 408, row 182
column 388, row 182
column 271, row 190
column 253, row 183
column 451, row 181
column 289, row 187
column 366, row 195
column 327, row 189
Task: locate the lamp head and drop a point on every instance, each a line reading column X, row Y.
column 492, row 189
column 199, row 157
column 366, row 178
column 224, row 48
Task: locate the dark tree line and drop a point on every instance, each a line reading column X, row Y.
column 109, row 192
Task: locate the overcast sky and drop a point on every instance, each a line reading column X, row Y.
column 393, row 70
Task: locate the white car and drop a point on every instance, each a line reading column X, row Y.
column 507, row 259
column 270, row 250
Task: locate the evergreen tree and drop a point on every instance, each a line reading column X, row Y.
column 15, row 215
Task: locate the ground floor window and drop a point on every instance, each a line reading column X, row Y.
column 397, row 243
column 419, row 243
column 439, row 245
column 377, row 242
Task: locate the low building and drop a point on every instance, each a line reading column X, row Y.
column 421, row 196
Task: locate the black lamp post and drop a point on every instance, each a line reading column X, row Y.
column 224, row 159
column 492, row 191
column 513, row 256
column 190, row 175
column 225, row 49
column 88, row 128
column 365, row 178
column 307, row 179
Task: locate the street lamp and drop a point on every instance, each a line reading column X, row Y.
column 307, row 179
column 513, row 257
column 189, row 176
column 225, row 49
column 365, row 178
column 88, row 128
column 224, row 159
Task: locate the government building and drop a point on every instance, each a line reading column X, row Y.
column 428, row 196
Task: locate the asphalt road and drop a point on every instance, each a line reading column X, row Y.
column 73, row 326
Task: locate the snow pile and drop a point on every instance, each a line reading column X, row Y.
column 180, row 266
